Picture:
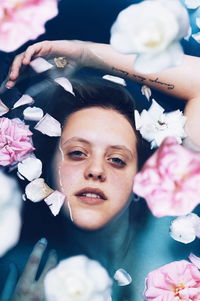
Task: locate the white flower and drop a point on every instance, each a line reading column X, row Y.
column 193, row 4
column 152, row 29
column 77, row 279
column 10, row 219
column 185, row 228
column 155, row 125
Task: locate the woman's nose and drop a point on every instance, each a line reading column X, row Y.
column 95, row 171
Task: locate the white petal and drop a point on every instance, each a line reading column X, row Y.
column 192, row 3
column 196, row 36
column 3, row 108
column 65, row 83
column 37, row 190
column 182, row 229
column 195, row 260
column 146, row 91
column 55, row 201
column 24, row 100
column 138, row 122
column 33, row 113
column 172, row 56
column 49, row 126
column 40, row 65
column 122, row 277
column 30, row 168
column 115, row 79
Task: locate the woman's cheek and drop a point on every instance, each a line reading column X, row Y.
column 68, row 176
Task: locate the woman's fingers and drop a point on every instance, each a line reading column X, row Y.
column 50, row 263
column 32, row 265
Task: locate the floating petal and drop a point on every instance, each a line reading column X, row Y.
column 60, row 62
column 195, row 260
column 65, row 83
column 49, row 126
column 37, row 190
column 122, row 277
column 40, row 65
column 24, row 100
column 30, row 168
column 115, row 79
column 55, row 201
column 3, row 108
column 146, row 91
column 33, row 113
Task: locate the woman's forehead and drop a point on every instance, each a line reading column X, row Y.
column 97, row 125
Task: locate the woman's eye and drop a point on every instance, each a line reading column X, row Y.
column 76, row 155
column 117, row 161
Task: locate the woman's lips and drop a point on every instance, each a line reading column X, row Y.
column 91, row 196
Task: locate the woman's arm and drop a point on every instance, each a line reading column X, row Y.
column 182, row 81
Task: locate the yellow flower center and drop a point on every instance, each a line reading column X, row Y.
column 178, row 288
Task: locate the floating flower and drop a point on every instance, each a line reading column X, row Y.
column 185, row 228
column 154, row 36
column 178, row 280
column 15, row 141
column 155, row 125
column 10, row 219
column 170, row 180
column 78, row 279
column 23, row 20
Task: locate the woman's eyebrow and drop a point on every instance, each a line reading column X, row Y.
column 122, row 147
column 76, row 139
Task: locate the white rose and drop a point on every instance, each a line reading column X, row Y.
column 152, row 29
column 10, row 219
column 77, row 279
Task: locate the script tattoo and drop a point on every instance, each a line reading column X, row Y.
column 142, row 79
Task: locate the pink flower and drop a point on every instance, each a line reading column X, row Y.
column 178, row 280
column 22, row 20
column 170, row 180
column 15, row 141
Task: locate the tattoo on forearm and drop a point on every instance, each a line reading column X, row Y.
column 143, row 79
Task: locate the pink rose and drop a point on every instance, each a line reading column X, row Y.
column 178, row 280
column 170, row 180
column 23, row 20
column 15, row 141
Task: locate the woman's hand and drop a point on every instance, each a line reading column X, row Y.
column 73, row 51
column 28, row 288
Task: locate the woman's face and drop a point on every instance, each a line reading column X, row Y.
column 96, row 163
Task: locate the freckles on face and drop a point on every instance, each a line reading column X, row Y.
column 96, row 165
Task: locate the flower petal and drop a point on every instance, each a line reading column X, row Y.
column 49, row 126
column 193, row 4
column 3, row 108
column 24, row 100
column 65, row 83
column 122, row 277
column 33, row 113
column 55, row 201
column 37, row 190
column 40, row 65
column 30, row 168
column 146, row 91
column 115, row 79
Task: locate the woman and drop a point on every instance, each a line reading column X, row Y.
column 103, row 164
